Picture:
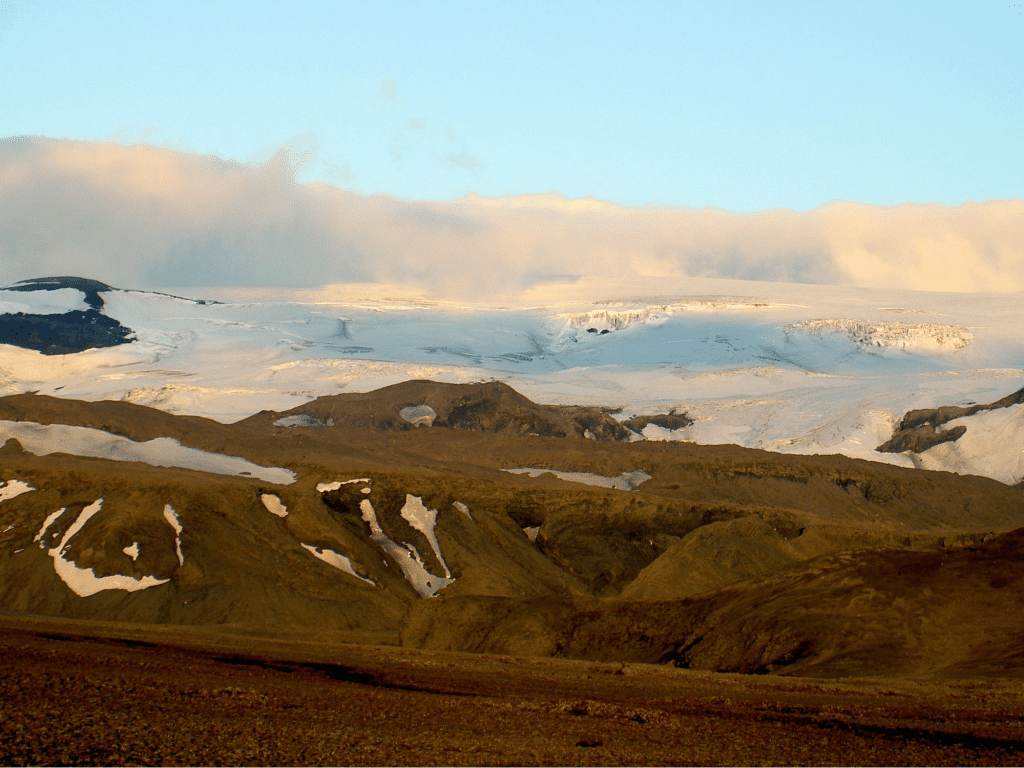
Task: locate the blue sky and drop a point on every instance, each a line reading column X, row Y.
column 743, row 106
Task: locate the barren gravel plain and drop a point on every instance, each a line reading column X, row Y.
column 88, row 693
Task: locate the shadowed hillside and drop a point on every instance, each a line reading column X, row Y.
column 719, row 558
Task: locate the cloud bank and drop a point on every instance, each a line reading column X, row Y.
column 143, row 216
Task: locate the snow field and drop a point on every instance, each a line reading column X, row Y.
column 43, row 439
column 993, row 445
column 55, row 302
column 787, row 367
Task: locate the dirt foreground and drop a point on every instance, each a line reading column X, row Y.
column 75, row 692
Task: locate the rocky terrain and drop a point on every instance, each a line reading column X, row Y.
column 391, row 519
column 923, row 428
column 525, row 558
column 85, row 693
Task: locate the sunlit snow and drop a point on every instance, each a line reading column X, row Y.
column 55, row 302
column 783, row 367
column 463, row 509
column 419, row 415
column 423, row 520
column 50, row 520
column 274, row 505
column 325, row 487
column 922, row 336
column 132, row 551
column 408, row 558
column 172, row 518
column 993, row 445
column 13, row 488
column 84, row 581
column 337, row 560
column 627, row 481
column 42, row 439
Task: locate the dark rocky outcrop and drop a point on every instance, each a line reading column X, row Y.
column 919, row 429
column 488, row 407
column 69, row 332
column 91, row 288
column 63, row 334
column 664, row 420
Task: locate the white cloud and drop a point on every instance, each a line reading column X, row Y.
column 138, row 216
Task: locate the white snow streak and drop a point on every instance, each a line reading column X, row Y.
column 627, row 481
column 46, row 524
column 172, row 518
column 13, row 488
column 336, row 559
column 424, row 520
column 43, row 439
column 408, row 559
column 84, row 581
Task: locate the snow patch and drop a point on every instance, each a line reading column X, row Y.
column 325, row 487
column 43, row 439
column 407, row 557
column 337, row 560
column 13, row 488
column 50, row 520
column 424, row 520
column 132, row 551
column 274, row 505
column 627, row 481
column 462, row 508
column 84, row 581
column 42, row 302
column 531, row 532
column 172, row 518
column 992, row 446
column 419, row 415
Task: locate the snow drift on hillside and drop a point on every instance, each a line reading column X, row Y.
column 43, row 439
column 992, row 446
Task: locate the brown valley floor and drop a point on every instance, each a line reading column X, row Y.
column 69, row 695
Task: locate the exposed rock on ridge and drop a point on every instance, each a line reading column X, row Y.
column 918, row 430
column 489, row 407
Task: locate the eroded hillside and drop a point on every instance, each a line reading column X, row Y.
column 349, row 516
